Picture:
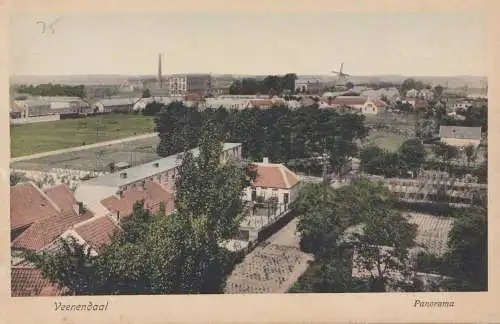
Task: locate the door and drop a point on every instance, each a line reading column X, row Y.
column 286, row 198
column 254, row 194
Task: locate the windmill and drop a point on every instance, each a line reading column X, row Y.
column 341, row 77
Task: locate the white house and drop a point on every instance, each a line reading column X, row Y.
column 227, row 103
column 273, row 180
column 362, row 104
column 460, row 136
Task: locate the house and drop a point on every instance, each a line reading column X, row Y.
column 460, row 136
column 227, row 103
column 362, row 104
column 30, row 108
column 163, row 171
column 115, row 105
column 417, row 104
column 263, row 103
column 39, row 217
column 273, row 180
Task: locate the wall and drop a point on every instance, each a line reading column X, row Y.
column 460, row 142
column 38, row 119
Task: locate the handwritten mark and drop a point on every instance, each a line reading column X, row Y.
column 50, row 26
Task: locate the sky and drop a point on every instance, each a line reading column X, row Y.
column 369, row 43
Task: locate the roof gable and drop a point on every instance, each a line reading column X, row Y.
column 274, row 176
column 97, row 231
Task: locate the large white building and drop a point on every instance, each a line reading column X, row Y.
column 189, row 83
column 163, row 171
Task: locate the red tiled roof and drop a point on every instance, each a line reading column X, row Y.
column 261, row 102
column 420, row 104
column 62, row 196
column 28, row 204
column 97, row 232
column 30, row 282
column 379, row 103
column 347, row 101
column 152, row 194
column 274, row 176
column 46, row 230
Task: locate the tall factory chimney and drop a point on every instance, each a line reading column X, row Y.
column 160, row 78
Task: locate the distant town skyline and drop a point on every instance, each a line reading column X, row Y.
column 412, row 44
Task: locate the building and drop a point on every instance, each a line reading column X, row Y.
column 227, row 103
column 424, row 94
column 362, row 104
column 189, row 83
column 30, row 108
column 115, row 105
column 273, row 180
column 163, row 171
column 152, row 194
column 460, row 136
column 38, row 216
column 308, row 85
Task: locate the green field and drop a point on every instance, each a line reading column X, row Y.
column 48, row 136
column 387, row 141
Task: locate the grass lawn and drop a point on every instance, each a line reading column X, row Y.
column 48, row 136
column 388, row 141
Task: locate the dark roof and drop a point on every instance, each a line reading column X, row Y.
column 460, row 132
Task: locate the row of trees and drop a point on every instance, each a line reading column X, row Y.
column 281, row 134
column 272, row 85
column 154, row 254
column 53, row 90
column 381, row 241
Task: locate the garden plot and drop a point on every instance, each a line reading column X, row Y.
column 269, row 269
column 272, row 267
column 433, row 232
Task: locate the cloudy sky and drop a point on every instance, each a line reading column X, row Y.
column 417, row 44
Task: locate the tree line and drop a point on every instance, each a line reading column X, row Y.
column 279, row 133
column 48, row 90
column 156, row 254
column 270, row 85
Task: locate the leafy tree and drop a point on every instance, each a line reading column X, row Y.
column 383, row 246
column 438, row 91
column 412, row 153
column 15, row 178
column 471, row 154
column 468, row 242
column 146, row 93
column 349, row 85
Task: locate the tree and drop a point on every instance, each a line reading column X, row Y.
column 383, row 247
column 146, row 93
column 111, row 167
column 15, row 178
column 349, row 85
column 468, row 241
column 412, row 153
column 438, row 91
column 471, row 154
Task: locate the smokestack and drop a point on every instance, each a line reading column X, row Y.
column 160, row 78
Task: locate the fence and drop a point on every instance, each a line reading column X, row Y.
column 37, row 119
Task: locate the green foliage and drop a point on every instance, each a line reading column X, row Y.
column 278, row 133
column 146, row 93
column 15, row 178
column 152, row 109
column 412, row 153
column 47, row 90
column 272, row 85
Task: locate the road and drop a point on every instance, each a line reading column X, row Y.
column 82, row 148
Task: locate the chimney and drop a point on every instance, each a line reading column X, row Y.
column 123, row 175
column 265, row 160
